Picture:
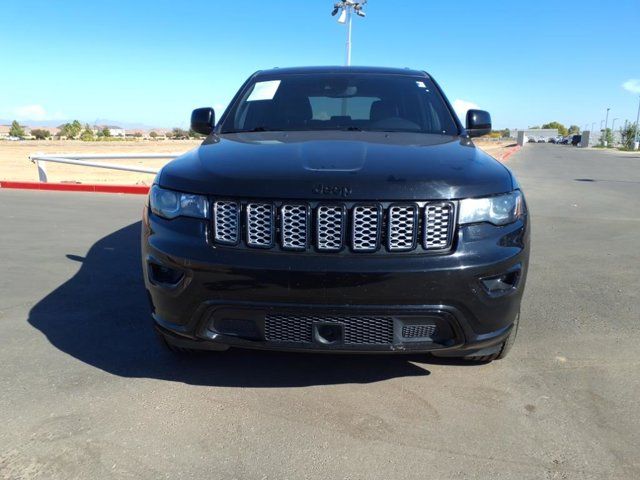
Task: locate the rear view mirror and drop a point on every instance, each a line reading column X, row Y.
column 203, row 120
column 478, row 123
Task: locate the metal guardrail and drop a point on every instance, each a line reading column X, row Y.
column 41, row 159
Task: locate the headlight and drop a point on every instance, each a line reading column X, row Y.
column 499, row 210
column 170, row 204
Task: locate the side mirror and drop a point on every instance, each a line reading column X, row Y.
column 478, row 123
column 203, row 120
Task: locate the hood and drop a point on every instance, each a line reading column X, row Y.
column 332, row 165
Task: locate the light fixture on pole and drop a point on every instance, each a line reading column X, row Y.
column 346, row 9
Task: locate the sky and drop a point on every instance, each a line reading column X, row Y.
column 152, row 62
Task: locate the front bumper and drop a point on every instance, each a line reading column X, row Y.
column 213, row 297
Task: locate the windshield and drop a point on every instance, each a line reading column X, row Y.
column 348, row 101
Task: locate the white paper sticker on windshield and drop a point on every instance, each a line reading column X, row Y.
column 421, row 84
column 264, row 90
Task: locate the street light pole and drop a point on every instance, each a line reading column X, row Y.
column 349, row 23
column 636, row 144
column 347, row 8
column 606, row 121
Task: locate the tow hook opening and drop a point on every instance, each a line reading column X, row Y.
column 328, row 333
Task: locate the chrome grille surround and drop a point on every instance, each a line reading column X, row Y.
column 226, row 222
column 365, row 228
column 330, row 227
column 402, row 227
column 338, row 227
column 294, row 220
column 437, row 225
column 260, row 225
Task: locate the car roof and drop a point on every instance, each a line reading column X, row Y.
column 338, row 69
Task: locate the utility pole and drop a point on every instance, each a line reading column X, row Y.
column 347, row 8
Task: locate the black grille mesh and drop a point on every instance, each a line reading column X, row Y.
column 418, row 331
column 358, row 330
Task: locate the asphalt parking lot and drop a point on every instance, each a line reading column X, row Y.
column 85, row 392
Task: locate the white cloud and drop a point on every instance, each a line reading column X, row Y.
column 35, row 112
column 632, row 85
column 462, row 106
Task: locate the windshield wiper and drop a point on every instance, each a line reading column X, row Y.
column 254, row 129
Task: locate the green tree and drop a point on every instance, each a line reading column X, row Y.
column 71, row 130
column 106, row 132
column 607, row 136
column 179, row 133
column 506, row 133
column 562, row 130
column 87, row 134
column 40, row 134
column 16, row 130
column 628, row 136
column 573, row 130
column 153, row 135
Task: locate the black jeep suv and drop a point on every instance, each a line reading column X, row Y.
column 337, row 209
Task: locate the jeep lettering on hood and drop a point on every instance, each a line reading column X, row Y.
column 332, row 190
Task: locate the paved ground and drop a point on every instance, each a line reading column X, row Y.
column 85, row 392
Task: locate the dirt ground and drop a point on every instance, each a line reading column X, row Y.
column 15, row 164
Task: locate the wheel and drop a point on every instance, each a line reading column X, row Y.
column 503, row 349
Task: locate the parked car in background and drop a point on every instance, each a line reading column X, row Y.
column 541, row 140
column 575, row 140
column 532, row 140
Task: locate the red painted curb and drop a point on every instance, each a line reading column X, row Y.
column 77, row 187
column 506, row 156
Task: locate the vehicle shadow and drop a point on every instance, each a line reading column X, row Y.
column 101, row 317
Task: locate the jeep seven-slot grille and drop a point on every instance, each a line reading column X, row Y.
column 334, row 227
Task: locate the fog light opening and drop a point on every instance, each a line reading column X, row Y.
column 164, row 275
column 501, row 284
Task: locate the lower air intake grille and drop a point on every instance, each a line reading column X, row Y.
column 358, row 330
column 418, row 331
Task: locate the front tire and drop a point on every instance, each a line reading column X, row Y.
column 504, row 349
